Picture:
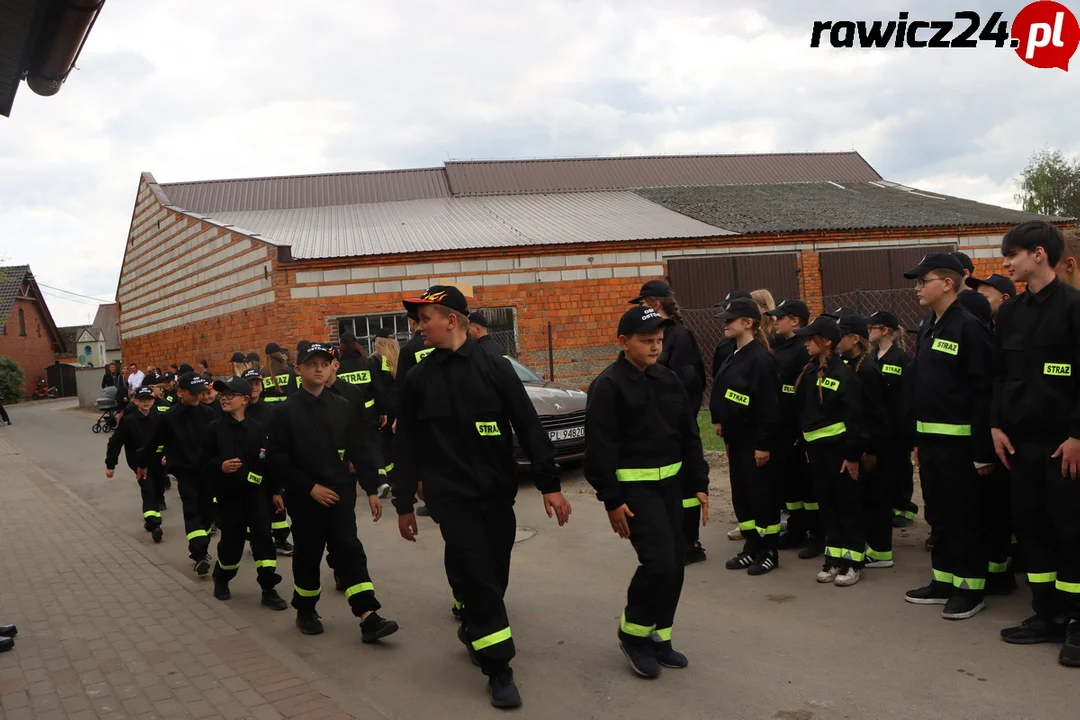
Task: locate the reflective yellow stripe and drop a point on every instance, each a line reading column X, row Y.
column 151, row 513
column 794, row 505
column 162, row 408
column 892, row 369
column 1059, row 369
column 282, row 525
column 341, row 454
column 493, row 639
column 647, row 474
column 421, row 354
column 307, row 593
column 748, row 525
column 160, row 449
column 1042, row 577
column 789, row 389
column 811, row 506
column 737, row 398
column 825, row 432
column 964, row 583
column 274, row 398
column 769, row 530
column 359, row 588
column 853, row 555
column 215, row 501
column 944, row 577
column 223, row 566
column 1000, row 567
column 946, row 346
column 458, row 605
column 389, row 468
column 664, row 635
column 196, row 534
column 488, row 429
column 873, row 554
column 634, row 629
column 369, row 404
column 1072, row 588
column 943, row 429
column 266, row 563
column 833, row 552
column 254, row 478
column 386, row 364
column 268, row 382
column 829, row 383
column 691, row 502
column 356, row 377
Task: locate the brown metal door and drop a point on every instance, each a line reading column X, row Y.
column 702, row 282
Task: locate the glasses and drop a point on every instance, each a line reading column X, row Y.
column 924, row 281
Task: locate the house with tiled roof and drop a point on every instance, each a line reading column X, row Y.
column 28, row 334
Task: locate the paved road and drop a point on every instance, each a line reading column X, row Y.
column 779, row 647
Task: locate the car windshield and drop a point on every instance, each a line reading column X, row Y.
column 524, row 374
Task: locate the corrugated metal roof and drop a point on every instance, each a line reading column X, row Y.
column 275, row 193
column 501, row 177
column 794, row 207
column 465, row 223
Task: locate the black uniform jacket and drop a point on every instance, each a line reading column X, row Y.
column 491, row 345
column 1037, row 364
column 261, row 412
column 875, row 392
column 896, row 370
column 953, row 378
column 380, row 366
column 134, row 431
column 682, row 356
column 638, row 420
column 791, row 358
column 411, row 354
column 228, row 438
column 745, row 398
column 457, row 416
column 359, row 372
column 285, row 386
column 313, row 439
column 827, row 402
column 180, row 435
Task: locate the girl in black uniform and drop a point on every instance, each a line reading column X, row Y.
column 384, row 364
column 829, row 399
column 277, row 375
column 745, row 408
column 260, row 410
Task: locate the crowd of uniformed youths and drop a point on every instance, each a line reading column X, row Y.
column 821, row 422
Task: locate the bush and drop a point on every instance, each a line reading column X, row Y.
column 11, row 380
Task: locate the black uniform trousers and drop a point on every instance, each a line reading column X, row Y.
column 197, row 496
column 879, row 492
column 479, row 539
column 691, row 518
column 317, row 529
column 1045, row 512
column 789, row 463
column 151, row 500
column 656, row 534
column 387, row 441
column 841, row 500
column 997, row 511
column 755, row 494
column 902, row 476
column 243, row 513
column 955, row 497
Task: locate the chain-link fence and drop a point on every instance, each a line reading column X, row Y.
column 507, row 339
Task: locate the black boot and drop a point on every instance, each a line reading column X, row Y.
column 668, row 656
column 643, row 660
column 504, row 693
column 1070, row 652
column 375, row 628
column 221, row 589
column 309, row 623
column 9, row 631
column 157, row 534
column 272, row 600
column 6, row 643
column 815, row 547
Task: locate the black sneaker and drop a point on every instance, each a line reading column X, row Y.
column 375, row 628
column 764, row 564
column 157, row 534
column 6, row 643
column 642, row 659
column 1033, row 631
column 668, row 656
column 272, row 600
column 899, row 521
column 221, row 590
column 1001, row 583
column 202, row 565
column 815, row 547
column 695, row 554
column 932, row 594
column 1070, row 652
column 962, row 606
column 284, row 548
column 309, row 623
column 739, row 562
column 8, row 631
column 464, row 638
column 504, row 693
column 422, row 511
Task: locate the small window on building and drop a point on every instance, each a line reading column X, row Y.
column 501, row 325
column 39, row 330
column 22, row 323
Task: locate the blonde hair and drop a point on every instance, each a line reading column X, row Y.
column 239, row 368
column 765, row 301
column 668, row 305
column 898, row 337
column 388, row 348
column 275, row 364
column 862, row 349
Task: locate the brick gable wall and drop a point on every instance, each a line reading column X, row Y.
column 33, row 352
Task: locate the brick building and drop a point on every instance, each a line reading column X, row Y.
column 29, row 335
column 214, row 267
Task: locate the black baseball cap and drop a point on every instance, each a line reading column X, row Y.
column 935, row 261
column 272, row 348
column 314, row 349
column 348, row 338
column 885, row 318
column 977, row 304
column 251, row 374
column 301, row 344
column 143, row 392
column 740, row 307
column 385, row 332
column 794, row 308
column 412, row 315
column 840, row 312
column 238, row 357
column 822, row 327
column 150, row 380
column 653, row 288
column 853, row 325
column 235, row 385
column 1000, row 283
column 965, row 261
column 641, row 319
column 168, row 377
column 476, row 318
column 193, row 382
column 252, row 357
column 446, row 295
column 184, row 368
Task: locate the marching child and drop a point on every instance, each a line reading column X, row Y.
column 134, row 431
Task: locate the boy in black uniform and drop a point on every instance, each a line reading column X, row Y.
column 458, row 413
column 180, row 436
column 412, row 352
column 642, row 448
column 1036, row 430
column 478, row 331
column 261, row 411
column 235, row 461
column 314, row 437
column 954, row 451
column 894, row 463
column 134, row 431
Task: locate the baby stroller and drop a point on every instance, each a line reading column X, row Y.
column 106, row 403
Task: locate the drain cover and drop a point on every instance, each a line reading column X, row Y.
column 524, row 533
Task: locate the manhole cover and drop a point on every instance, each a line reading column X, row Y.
column 524, row 533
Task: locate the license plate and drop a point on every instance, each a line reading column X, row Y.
column 572, row 433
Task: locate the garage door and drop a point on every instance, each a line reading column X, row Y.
column 845, row 271
column 702, row 282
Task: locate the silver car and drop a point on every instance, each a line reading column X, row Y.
column 562, row 413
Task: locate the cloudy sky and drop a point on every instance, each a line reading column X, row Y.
column 201, row 90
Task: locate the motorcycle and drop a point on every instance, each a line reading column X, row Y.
column 43, row 391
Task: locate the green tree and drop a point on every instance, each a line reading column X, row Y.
column 1050, row 184
column 11, row 380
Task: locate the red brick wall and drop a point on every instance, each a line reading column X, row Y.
column 35, row 351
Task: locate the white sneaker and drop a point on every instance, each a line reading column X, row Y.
column 734, row 534
column 879, row 564
column 384, row 490
column 828, row 574
column 849, row 578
